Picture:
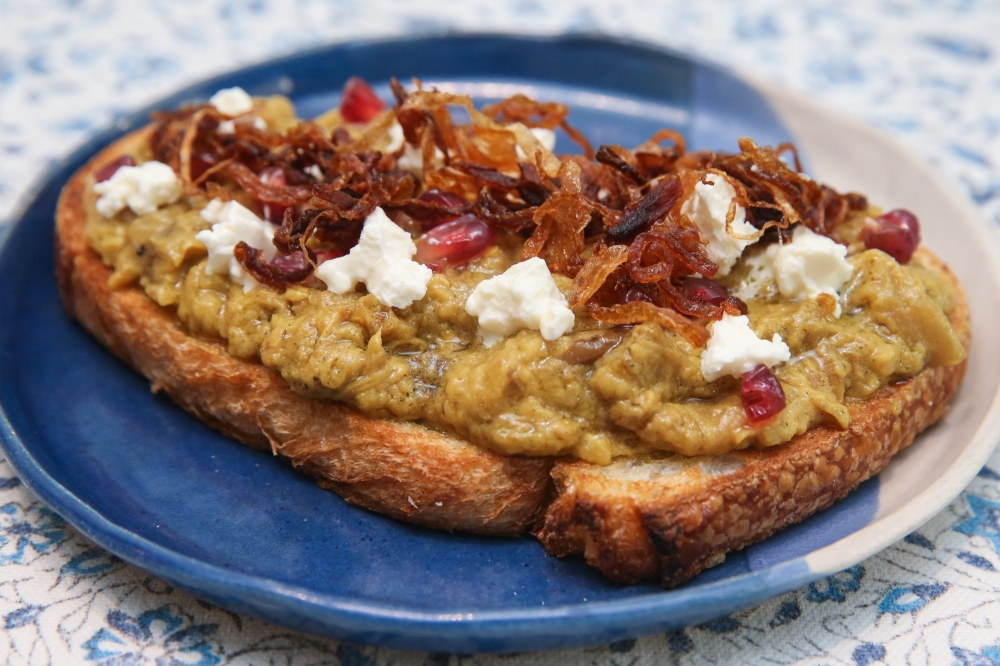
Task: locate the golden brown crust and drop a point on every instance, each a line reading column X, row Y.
column 629, row 520
column 636, row 529
column 400, row 469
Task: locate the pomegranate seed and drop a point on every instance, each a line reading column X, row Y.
column 454, row 243
column 442, row 198
column 326, row 255
column 359, row 103
column 897, row 233
column 290, row 262
column 762, row 395
column 275, row 176
column 443, row 207
column 703, row 289
column 200, row 164
column 109, row 169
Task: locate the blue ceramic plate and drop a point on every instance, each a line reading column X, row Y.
column 154, row 486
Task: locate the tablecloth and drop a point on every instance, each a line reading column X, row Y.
column 926, row 71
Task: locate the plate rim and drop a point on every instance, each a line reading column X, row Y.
column 545, row 627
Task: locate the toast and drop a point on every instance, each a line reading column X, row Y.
column 662, row 518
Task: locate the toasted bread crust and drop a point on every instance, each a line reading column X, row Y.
column 635, row 530
column 665, row 528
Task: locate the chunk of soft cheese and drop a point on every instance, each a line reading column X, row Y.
column 523, row 296
column 232, row 223
column 546, row 137
column 382, row 259
column 232, row 102
column 734, row 349
column 396, row 138
column 412, row 159
column 810, row 265
column 142, row 188
column 708, row 207
column 759, row 278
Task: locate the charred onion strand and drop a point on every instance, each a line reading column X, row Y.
column 610, row 219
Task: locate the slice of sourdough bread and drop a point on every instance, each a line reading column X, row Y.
column 400, row 469
column 664, row 519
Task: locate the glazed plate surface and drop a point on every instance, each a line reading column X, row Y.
column 235, row 527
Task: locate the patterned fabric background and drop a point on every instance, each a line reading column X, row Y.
column 926, row 71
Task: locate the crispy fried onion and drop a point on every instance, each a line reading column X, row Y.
column 277, row 274
column 528, row 112
column 770, row 185
column 637, row 312
column 645, row 276
column 610, row 218
column 337, row 210
column 560, row 223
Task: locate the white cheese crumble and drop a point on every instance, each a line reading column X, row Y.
column 759, row 278
column 708, row 207
column 412, row 159
column 734, row 349
column 810, row 265
column 396, row 138
column 315, row 171
column 142, row 188
column 523, row 296
column 232, row 223
column 259, row 123
column 546, row 137
column 232, row 102
column 382, row 259
column 227, row 127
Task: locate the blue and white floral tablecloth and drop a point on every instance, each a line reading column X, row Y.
column 926, row 71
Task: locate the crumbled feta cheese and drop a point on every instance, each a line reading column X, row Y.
column 232, row 223
column 232, row 102
column 314, row 171
column 259, row 123
column 412, row 159
column 396, row 138
column 142, row 188
column 227, row 127
column 708, row 208
column 810, row 265
column 759, row 279
column 734, row 349
column 546, row 137
column 382, row 259
column 523, row 296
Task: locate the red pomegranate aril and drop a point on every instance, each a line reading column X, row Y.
column 703, row 289
column 290, row 262
column 200, row 164
column 109, row 169
column 275, row 176
column 442, row 198
column 359, row 103
column 897, row 233
column 326, row 255
column 454, row 243
column 762, row 395
column 900, row 217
